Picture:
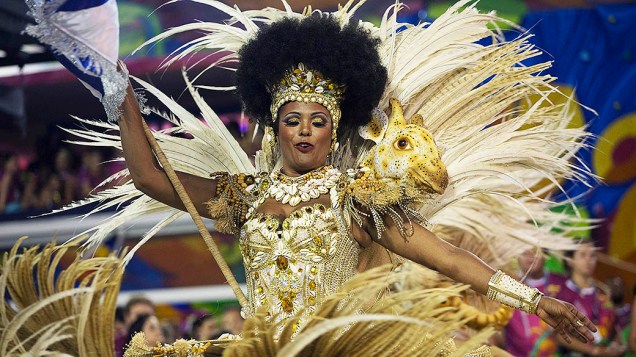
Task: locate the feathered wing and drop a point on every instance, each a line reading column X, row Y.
column 502, row 161
column 505, row 151
column 43, row 313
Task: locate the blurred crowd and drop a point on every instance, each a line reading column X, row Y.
column 606, row 304
column 52, row 179
column 58, row 174
column 139, row 315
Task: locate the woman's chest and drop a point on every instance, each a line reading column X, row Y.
column 312, row 234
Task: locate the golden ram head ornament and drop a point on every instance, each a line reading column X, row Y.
column 405, row 153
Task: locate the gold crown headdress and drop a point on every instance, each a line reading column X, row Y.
column 301, row 84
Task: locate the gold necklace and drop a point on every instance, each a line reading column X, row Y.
column 293, row 190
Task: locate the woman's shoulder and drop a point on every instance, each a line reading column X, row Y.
column 248, row 183
column 235, row 194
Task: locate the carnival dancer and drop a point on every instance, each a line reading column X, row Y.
column 347, row 164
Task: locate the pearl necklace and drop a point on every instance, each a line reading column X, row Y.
column 293, row 190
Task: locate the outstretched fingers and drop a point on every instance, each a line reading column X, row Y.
column 561, row 327
column 567, row 321
column 581, row 324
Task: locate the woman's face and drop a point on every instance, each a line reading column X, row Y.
column 583, row 262
column 304, row 136
column 208, row 329
column 152, row 331
column 531, row 263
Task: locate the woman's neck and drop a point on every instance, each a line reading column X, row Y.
column 581, row 281
column 297, row 173
column 537, row 274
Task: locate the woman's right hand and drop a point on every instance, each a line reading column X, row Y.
column 566, row 319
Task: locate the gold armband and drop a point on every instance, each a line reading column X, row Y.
column 508, row 291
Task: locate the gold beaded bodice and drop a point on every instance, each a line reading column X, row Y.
column 295, row 262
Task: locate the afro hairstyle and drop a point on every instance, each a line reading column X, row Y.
column 348, row 55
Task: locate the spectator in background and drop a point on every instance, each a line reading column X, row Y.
column 581, row 290
column 622, row 309
column 29, row 199
column 630, row 332
column 50, row 193
column 49, row 182
column 149, row 325
column 90, row 174
column 63, row 170
column 525, row 334
column 206, row 328
column 135, row 307
column 231, row 320
column 9, row 185
column 120, row 324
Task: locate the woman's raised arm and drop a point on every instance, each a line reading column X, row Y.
column 145, row 171
column 426, row 248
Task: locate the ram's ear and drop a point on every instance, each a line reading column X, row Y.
column 417, row 119
column 396, row 120
column 377, row 126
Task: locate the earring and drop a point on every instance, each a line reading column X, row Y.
column 334, row 140
column 269, row 146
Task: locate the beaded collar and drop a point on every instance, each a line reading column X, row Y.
column 293, row 190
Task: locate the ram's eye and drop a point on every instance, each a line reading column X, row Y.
column 403, row 144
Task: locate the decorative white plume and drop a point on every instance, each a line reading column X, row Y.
column 501, row 161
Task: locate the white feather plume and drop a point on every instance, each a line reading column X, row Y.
column 501, row 161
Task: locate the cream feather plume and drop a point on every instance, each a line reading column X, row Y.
column 498, row 157
column 43, row 313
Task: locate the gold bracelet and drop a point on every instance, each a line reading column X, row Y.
column 508, row 291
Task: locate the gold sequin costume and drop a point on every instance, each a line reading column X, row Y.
column 293, row 263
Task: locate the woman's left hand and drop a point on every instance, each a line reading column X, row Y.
column 566, row 319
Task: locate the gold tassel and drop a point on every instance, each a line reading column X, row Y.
column 220, row 211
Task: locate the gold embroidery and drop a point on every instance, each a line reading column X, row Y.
column 295, row 263
column 298, row 262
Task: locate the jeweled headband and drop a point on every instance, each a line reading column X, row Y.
column 302, row 84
